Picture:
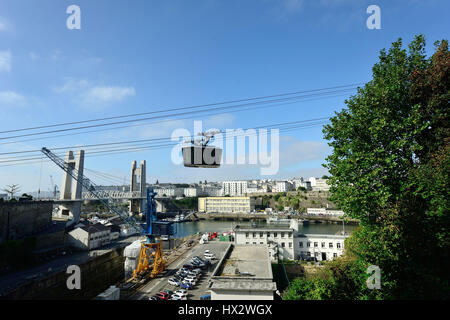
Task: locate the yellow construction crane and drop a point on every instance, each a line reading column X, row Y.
column 150, row 252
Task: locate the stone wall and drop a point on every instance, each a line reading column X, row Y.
column 21, row 219
column 97, row 274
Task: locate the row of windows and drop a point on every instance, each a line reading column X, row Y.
column 275, row 234
column 316, row 254
column 283, row 244
column 323, row 245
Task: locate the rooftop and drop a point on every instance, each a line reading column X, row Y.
column 246, row 268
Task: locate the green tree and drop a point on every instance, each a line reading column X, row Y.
column 389, row 168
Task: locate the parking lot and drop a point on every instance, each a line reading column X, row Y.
column 201, row 287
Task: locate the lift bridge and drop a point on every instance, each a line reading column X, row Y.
column 76, row 188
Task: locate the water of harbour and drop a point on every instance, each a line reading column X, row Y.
column 188, row 228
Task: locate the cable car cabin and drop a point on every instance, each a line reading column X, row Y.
column 202, row 156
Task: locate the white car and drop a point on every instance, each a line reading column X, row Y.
column 191, row 281
column 182, row 292
column 173, row 282
column 177, row 296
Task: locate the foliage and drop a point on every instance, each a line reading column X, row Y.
column 390, row 169
column 187, row 203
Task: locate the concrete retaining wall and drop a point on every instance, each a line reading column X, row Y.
column 97, row 274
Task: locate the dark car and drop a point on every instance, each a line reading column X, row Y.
column 155, row 297
column 189, row 266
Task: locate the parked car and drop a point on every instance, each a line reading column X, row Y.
column 198, row 258
column 206, row 297
column 189, row 266
column 176, row 296
column 162, row 295
column 191, row 281
column 185, row 285
column 169, row 292
column 210, row 256
column 182, row 292
column 174, row 282
column 155, row 297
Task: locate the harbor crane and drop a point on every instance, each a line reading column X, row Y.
column 150, row 257
column 151, row 261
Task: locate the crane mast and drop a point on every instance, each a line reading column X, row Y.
column 150, row 261
column 90, row 188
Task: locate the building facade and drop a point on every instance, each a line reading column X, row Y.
column 324, row 212
column 226, row 204
column 88, row 237
column 286, row 243
column 234, row 188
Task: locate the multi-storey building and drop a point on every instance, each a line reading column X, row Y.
column 324, row 212
column 234, row 188
column 226, row 204
column 287, row 243
column 319, row 184
column 191, row 192
column 283, row 186
column 301, row 183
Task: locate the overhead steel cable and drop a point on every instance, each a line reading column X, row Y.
column 154, row 122
column 171, row 115
column 161, row 139
column 150, row 147
column 282, row 129
column 180, row 108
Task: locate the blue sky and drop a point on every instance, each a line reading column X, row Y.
column 140, row 56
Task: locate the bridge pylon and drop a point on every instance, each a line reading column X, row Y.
column 72, row 190
column 138, row 183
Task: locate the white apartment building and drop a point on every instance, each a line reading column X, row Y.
column 191, row 192
column 287, row 243
column 234, row 188
column 324, row 212
column 212, row 191
column 226, row 204
column 283, row 186
column 318, row 184
column 301, row 183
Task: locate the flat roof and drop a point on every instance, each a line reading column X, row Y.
column 287, row 229
column 246, row 268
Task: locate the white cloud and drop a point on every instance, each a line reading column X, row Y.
column 90, row 95
column 11, row 98
column 4, row 24
column 109, row 94
column 33, row 56
column 5, row 60
column 293, row 151
column 72, row 86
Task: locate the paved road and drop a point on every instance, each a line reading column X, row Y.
column 201, row 288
